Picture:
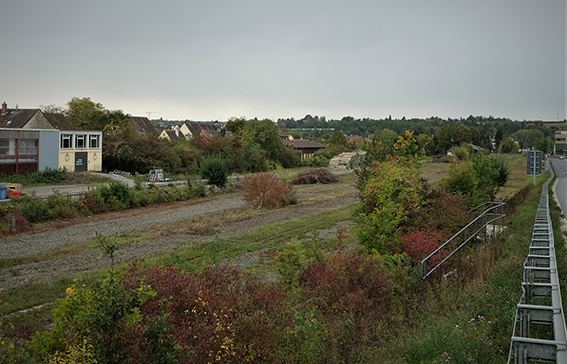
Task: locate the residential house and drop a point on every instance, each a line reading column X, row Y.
column 210, row 134
column 305, row 146
column 173, row 135
column 188, row 130
column 23, row 118
column 143, row 125
column 191, row 129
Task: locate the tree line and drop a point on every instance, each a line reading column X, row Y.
column 255, row 145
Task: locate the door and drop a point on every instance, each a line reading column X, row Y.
column 81, row 161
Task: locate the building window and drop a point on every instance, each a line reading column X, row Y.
column 65, row 141
column 27, row 148
column 4, row 146
column 80, row 141
column 94, row 142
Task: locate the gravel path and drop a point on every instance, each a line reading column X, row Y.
column 53, row 270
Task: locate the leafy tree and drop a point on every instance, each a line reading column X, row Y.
column 477, row 178
column 462, row 134
column 527, row 138
column 338, row 140
column 498, row 138
column 236, row 125
column 406, row 146
column 115, row 124
column 81, row 112
column 464, row 151
column 475, row 136
column 461, row 179
column 545, row 145
column 264, row 134
column 445, row 138
column 487, row 176
column 426, row 144
column 508, row 145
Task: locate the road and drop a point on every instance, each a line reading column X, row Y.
column 560, row 166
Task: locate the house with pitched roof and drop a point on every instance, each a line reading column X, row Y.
column 173, row 135
column 23, row 118
column 143, row 125
column 190, row 129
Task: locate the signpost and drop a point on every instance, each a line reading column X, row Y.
column 534, row 164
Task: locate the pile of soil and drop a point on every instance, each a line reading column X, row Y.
column 312, row 176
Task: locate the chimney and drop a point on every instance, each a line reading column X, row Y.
column 4, row 108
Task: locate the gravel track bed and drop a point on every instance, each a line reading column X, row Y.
column 55, row 238
column 53, row 270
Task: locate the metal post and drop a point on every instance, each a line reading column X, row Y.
column 440, row 265
column 534, row 165
column 453, row 251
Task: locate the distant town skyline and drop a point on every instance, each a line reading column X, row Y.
column 268, row 59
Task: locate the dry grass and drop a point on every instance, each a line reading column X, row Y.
column 434, row 172
column 518, row 177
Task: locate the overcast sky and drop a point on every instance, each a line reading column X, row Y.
column 213, row 59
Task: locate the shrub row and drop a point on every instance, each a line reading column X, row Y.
column 114, row 197
column 48, row 176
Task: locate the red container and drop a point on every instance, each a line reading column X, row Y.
column 11, row 194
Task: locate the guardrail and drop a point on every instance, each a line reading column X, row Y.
column 492, row 212
column 541, row 299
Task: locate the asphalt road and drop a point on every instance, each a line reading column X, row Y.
column 560, row 166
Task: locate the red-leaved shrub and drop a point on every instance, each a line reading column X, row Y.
column 266, row 190
column 353, row 294
column 217, row 315
column 419, row 243
column 347, row 281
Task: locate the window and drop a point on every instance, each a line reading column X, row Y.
column 27, row 148
column 80, row 141
column 65, row 141
column 4, row 146
column 94, row 142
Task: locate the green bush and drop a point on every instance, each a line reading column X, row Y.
column 215, row 169
column 319, row 159
column 503, row 170
column 33, row 209
column 48, row 176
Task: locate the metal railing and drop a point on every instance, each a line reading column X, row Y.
column 541, row 299
column 492, row 212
